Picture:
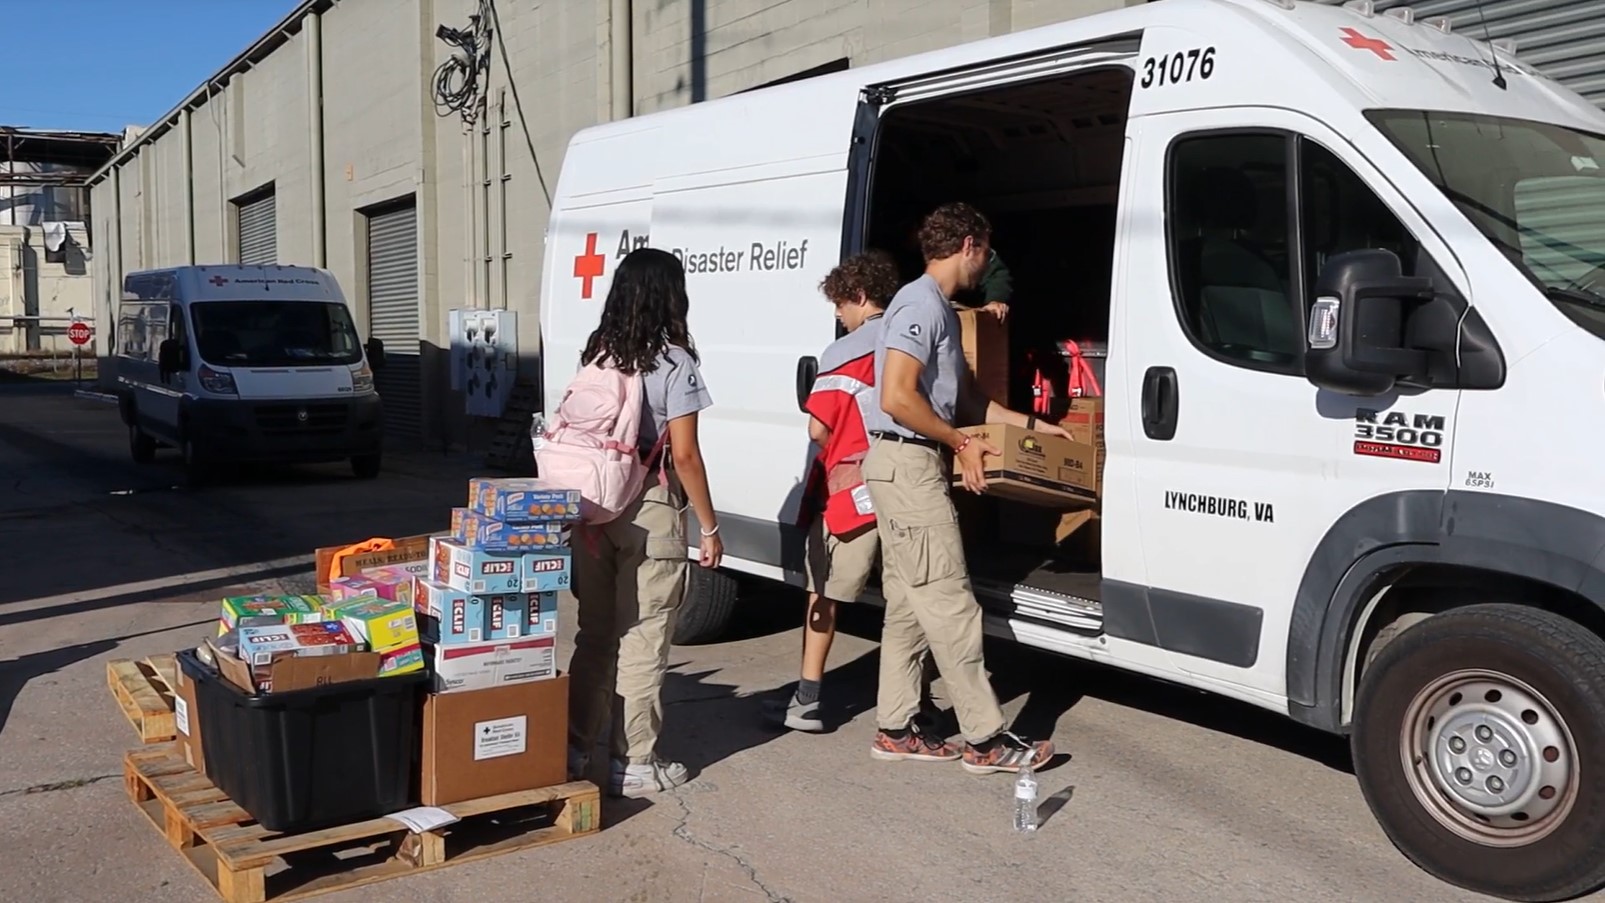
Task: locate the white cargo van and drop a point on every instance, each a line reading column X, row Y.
column 1348, row 268
column 245, row 363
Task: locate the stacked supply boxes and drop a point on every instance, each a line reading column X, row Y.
column 489, row 600
column 497, row 721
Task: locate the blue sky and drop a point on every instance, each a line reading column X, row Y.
column 98, row 65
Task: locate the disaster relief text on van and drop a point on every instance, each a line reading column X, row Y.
column 1349, row 273
column 245, row 364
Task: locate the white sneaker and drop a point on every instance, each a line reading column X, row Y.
column 635, row 781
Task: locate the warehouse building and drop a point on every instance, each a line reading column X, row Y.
column 347, row 138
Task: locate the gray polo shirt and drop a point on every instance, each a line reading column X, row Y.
column 674, row 389
column 921, row 323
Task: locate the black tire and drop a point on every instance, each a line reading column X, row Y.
column 366, row 467
column 141, row 447
column 710, row 602
column 199, row 470
column 1552, row 671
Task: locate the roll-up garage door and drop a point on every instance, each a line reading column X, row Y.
column 258, row 228
column 1564, row 39
column 393, row 315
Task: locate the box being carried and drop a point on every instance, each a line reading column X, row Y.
column 985, row 340
column 522, row 500
column 483, row 533
column 268, row 611
column 1037, row 468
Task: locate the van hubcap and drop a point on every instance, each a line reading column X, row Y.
column 1490, row 758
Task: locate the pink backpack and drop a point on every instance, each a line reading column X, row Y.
column 590, row 443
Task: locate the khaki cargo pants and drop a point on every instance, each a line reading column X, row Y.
column 629, row 584
column 927, row 587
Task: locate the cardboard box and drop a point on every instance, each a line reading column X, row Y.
column 186, row 714
column 493, row 741
column 986, row 350
column 523, row 500
column 505, row 615
column 298, row 672
column 484, row 533
column 542, row 611
column 391, row 583
column 388, row 628
column 267, row 611
column 448, row 617
column 462, row 568
column 1037, row 468
column 475, row 666
column 547, row 572
column 408, row 550
column 262, row 645
column 1084, row 422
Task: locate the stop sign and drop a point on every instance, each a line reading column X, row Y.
column 78, row 333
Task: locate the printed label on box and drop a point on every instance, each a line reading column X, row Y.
column 502, row 737
column 181, row 714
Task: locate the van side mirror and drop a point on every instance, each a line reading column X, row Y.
column 170, row 356
column 1357, row 335
column 376, row 353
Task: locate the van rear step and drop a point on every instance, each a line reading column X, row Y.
column 1068, row 605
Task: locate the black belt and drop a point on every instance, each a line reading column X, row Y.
column 906, row 440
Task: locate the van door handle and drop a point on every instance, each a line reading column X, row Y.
column 1160, row 404
column 807, row 370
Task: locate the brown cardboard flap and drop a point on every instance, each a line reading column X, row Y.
column 407, row 549
column 299, row 672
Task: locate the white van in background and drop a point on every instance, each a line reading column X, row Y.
column 1350, row 270
column 245, row 364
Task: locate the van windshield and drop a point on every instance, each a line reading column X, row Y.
column 1537, row 190
column 274, row 333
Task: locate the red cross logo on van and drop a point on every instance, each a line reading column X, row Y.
column 588, row 266
column 1359, row 41
column 218, row 280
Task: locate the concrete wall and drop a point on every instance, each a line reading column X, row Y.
column 482, row 208
column 38, row 295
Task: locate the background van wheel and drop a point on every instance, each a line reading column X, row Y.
column 366, row 467
column 710, row 601
column 1479, row 743
column 141, row 447
column 198, row 469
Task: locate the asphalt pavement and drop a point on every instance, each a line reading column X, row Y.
column 1167, row 794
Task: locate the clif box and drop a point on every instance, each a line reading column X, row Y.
column 259, row 645
column 472, row 571
column 484, row 533
column 248, row 611
column 523, row 500
column 449, row 616
column 546, row 572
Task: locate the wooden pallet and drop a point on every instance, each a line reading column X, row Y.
column 143, row 689
column 246, row 863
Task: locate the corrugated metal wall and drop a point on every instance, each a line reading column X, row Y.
column 393, row 315
column 1564, row 39
column 258, row 230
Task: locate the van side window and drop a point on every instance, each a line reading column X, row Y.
column 1340, row 213
column 176, row 328
column 1230, row 250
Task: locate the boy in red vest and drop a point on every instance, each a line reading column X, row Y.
column 842, row 540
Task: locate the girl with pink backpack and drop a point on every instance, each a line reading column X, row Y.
column 625, row 434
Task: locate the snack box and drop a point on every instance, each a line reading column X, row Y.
column 523, row 500
column 259, row 645
column 474, row 571
column 388, row 628
column 394, row 585
column 268, row 611
column 476, row 666
column 505, row 615
column 547, row 571
column 542, row 614
column 448, row 616
column 484, row 533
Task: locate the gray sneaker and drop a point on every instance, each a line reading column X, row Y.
column 636, row 781
column 799, row 716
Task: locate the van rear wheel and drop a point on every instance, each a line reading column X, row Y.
column 709, row 604
column 1479, row 743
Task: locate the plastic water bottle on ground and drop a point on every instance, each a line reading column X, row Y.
column 1025, row 800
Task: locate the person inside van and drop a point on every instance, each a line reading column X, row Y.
column 919, row 370
column 630, row 573
column 842, row 542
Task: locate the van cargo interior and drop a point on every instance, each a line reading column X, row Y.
column 1042, row 161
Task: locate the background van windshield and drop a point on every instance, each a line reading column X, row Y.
column 1537, row 190
column 274, row 333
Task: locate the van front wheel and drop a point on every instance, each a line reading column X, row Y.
column 1479, row 743
column 710, row 601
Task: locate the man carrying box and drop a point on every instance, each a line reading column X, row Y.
column 919, row 368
